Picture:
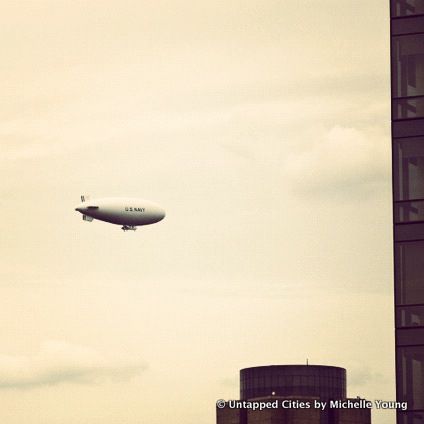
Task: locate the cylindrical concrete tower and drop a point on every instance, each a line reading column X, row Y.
column 319, row 381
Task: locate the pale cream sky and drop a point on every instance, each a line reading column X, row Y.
column 262, row 127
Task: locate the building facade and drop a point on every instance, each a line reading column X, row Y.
column 292, row 394
column 407, row 91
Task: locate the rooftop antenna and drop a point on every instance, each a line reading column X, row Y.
column 307, row 361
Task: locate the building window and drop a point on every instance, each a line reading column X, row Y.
column 411, row 417
column 409, row 267
column 408, row 65
column 408, row 169
column 407, row 7
column 408, row 108
column 410, row 316
column 409, row 212
column 411, row 376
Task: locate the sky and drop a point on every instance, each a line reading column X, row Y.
column 263, row 129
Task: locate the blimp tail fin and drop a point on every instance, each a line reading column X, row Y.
column 87, row 218
column 84, row 198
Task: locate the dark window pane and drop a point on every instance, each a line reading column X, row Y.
column 409, row 336
column 407, row 7
column 409, row 266
column 411, row 232
column 411, row 417
column 408, row 171
column 408, row 26
column 408, row 108
column 408, row 128
column 410, row 316
column 410, row 377
column 408, row 71
column 409, row 211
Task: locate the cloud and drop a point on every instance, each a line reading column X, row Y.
column 343, row 158
column 230, row 382
column 59, row 362
column 362, row 376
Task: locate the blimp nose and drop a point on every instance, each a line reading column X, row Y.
column 80, row 208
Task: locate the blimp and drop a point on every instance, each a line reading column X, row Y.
column 128, row 212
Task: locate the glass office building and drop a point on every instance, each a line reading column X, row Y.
column 407, row 86
column 323, row 382
column 286, row 385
